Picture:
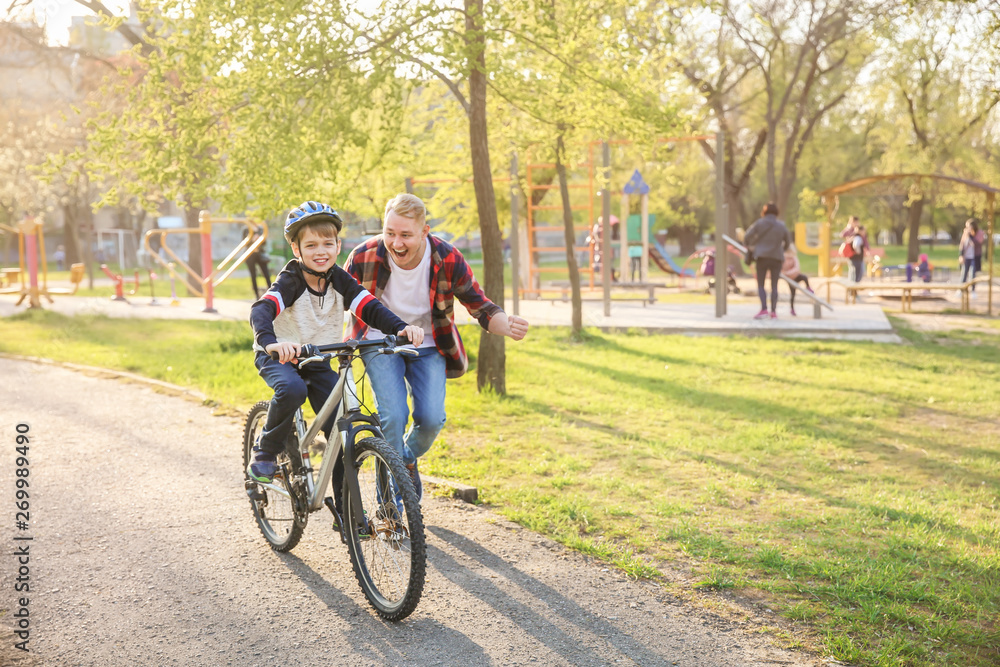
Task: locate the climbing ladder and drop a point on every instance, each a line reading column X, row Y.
column 536, row 225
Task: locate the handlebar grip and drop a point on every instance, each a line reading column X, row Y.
column 305, row 351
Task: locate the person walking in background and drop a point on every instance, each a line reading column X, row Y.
column 851, row 228
column 595, row 240
column 257, row 260
column 968, row 248
column 848, row 250
column 767, row 239
column 859, row 244
column 791, row 268
column 60, row 256
column 978, row 238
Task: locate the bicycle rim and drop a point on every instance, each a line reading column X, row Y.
column 385, row 535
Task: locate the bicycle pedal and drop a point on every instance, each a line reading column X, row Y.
column 255, row 492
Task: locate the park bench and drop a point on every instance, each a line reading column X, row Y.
column 906, row 290
column 564, row 289
column 9, row 276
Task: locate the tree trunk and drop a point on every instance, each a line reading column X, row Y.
column 569, row 234
column 734, row 188
column 899, row 223
column 88, row 244
column 913, row 243
column 492, row 353
column 71, row 233
column 687, row 239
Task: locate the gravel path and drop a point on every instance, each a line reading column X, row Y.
column 145, row 552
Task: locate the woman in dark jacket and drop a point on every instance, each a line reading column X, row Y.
column 768, row 238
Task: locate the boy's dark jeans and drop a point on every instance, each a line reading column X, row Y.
column 290, row 392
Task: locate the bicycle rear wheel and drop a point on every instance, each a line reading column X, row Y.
column 273, row 508
column 385, row 534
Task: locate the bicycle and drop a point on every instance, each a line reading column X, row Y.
column 372, row 498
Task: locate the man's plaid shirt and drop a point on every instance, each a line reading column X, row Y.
column 451, row 278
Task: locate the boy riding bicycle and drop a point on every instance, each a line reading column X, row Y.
column 306, row 304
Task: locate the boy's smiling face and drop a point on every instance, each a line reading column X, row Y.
column 317, row 252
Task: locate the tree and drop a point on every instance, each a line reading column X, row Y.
column 562, row 48
column 449, row 43
column 767, row 73
column 42, row 81
column 940, row 98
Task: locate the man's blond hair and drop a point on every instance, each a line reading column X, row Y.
column 408, row 206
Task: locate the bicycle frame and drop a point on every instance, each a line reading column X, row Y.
column 350, row 421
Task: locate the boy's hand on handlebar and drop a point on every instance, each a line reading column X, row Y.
column 286, row 351
column 414, row 333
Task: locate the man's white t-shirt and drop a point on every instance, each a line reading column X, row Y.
column 407, row 294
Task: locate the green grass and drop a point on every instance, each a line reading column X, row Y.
column 210, row 356
column 851, row 487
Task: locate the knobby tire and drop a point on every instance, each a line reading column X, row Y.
column 388, row 551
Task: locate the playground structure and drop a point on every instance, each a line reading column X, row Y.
column 31, row 257
column 211, row 276
column 896, row 184
column 639, row 245
column 525, row 242
column 662, row 259
column 117, row 243
column 118, row 281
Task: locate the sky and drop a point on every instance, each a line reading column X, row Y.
column 56, row 14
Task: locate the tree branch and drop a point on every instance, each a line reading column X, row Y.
column 124, row 29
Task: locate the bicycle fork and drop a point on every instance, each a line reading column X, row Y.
column 349, row 426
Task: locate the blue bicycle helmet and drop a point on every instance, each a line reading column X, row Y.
column 310, row 211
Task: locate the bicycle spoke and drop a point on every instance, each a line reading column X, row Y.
column 390, row 565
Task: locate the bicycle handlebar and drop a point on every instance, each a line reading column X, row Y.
column 315, row 352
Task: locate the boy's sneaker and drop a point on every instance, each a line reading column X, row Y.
column 417, row 484
column 262, row 466
column 761, row 315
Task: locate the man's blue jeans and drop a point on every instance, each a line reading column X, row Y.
column 290, row 392
column 423, row 376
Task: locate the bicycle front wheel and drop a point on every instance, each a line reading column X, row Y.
column 385, row 534
column 273, row 507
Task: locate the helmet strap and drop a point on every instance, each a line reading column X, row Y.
column 323, row 276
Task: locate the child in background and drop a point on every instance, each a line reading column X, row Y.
column 790, row 267
column 924, row 268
